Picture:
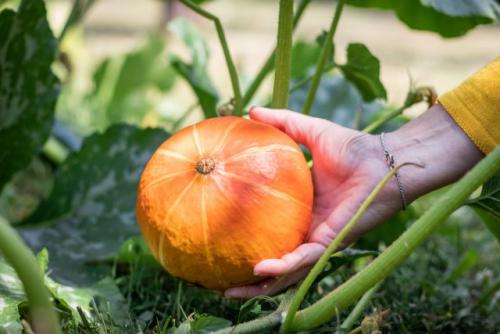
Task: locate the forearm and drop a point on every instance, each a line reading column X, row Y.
column 439, row 145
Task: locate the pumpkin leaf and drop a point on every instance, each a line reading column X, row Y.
column 304, row 58
column 121, row 84
column 492, row 222
column 69, row 298
column 201, row 325
column 363, row 70
column 195, row 73
column 91, row 208
column 487, row 205
column 28, row 88
column 201, row 85
column 489, row 199
column 337, row 100
column 208, row 324
column 11, row 295
column 448, row 18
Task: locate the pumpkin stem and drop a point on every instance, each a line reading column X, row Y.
column 205, row 166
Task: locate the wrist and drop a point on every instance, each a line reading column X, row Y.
column 436, row 143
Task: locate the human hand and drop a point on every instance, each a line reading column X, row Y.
column 347, row 166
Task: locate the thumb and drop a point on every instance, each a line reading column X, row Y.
column 303, row 129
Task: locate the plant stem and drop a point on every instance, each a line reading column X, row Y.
column 358, row 310
column 233, row 74
column 394, row 255
column 254, row 326
column 333, row 247
column 414, row 96
column 374, row 126
column 44, row 317
column 283, row 55
column 269, row 63
column 325, row 51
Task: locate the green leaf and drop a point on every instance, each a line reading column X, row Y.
column 487, row 205
column 449, row 18
column 208, row 324
column 91, row 207
column 11, row 295
column 28, row 88
column 110, row 300
column 363, row 70
column 492, row 222
column 201, row 85
column 196, row 72
column 489, row 200
column 339, row 101
column 135, row 251
column 69, row 297
column 304, row 58
column 121, row 84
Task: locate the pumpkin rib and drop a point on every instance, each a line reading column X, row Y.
column 164, row 178
column 265, row 188
column 167, row 217
column 225, row 135
column 175, row 155
column 197, row 141
column 205, row 227
column 259, row 149
column 178, row 199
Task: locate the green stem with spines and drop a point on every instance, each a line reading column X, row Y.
column 269, row 63
column 325, row 51
column 233, row 73
column 283, row 55
column 44, row 318
column 395, row 254
column 286, row 327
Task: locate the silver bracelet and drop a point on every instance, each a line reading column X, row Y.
column 389, row 158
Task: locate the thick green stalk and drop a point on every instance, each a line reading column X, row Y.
column 325, row 51
column 269, row 63
column 233, row 73
column 358, row 310
column 344, row 295
column 44, row 317
column 283, row 55
column 332, row 248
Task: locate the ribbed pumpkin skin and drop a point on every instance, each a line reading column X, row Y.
column 211, row 229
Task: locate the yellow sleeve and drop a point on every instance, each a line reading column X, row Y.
column 475, row 106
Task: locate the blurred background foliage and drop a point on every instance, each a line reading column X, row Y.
column 125, row 66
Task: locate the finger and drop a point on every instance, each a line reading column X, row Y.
column 302, row 256
column 267, row 287
column 303, row 129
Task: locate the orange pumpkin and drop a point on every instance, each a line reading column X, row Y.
column 220, row 196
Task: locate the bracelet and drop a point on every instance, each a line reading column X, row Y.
column 389, row 158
